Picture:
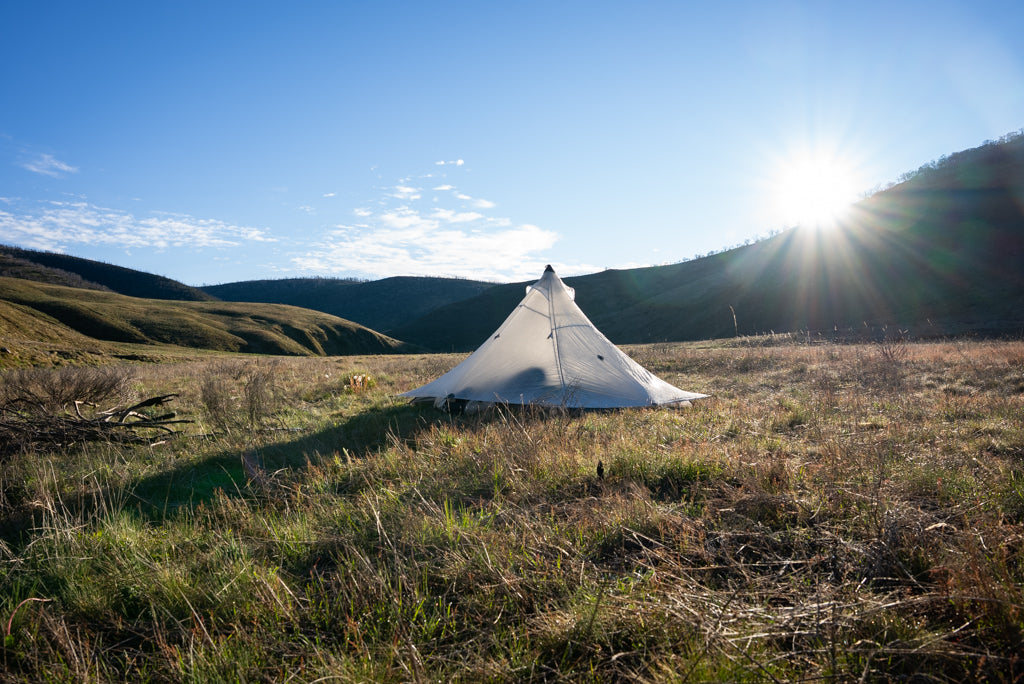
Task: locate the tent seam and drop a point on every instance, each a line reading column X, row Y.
column 554, row 339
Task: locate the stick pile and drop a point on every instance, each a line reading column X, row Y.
column 27, row 424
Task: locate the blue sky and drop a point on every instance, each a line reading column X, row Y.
column 220, row 141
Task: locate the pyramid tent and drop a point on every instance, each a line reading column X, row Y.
column 548, row 353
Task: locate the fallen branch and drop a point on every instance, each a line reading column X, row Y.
column 26, row 424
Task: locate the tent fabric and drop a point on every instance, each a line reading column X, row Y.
column 548, row 353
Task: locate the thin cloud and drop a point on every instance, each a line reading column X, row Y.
column 426, row 248
column 474, row 202
column 403, row 240
column 55, row 226
column 404, row 192
column 450, row 233
column 457, row 216
column 477, row 203
column 48, row 165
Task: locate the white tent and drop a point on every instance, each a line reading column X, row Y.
column 548, row 353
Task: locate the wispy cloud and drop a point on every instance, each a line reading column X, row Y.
column 427, row 246
column 474, row 201
column 404, row 192
column 55, row 226
column 48, row 165
column 457, row 162
column 450, row 216
column 449, row 234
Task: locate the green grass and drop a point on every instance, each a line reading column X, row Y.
column 830, row 513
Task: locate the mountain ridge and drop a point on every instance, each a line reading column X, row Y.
column 126, row 281
column 938, row 253
column 378, row 304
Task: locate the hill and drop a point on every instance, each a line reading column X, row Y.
column 378, row 304
column 937, row 254
column 118, row 279
column 17, row 267
column 33, row 312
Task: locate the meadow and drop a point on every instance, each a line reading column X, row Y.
column 834, row 512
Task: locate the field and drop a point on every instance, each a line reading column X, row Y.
column 832, row 513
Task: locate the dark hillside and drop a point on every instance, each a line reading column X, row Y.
column 124, row 281
column 378, row 304
column 31, row 311
column 282, row 290
column 938, row 254
column 15, row 267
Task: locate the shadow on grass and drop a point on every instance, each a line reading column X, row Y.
column 194, row 483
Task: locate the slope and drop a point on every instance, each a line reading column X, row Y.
column 32, row 311
column 125, row 281
column 17, row 267
column 937, row 254
column 378, row 304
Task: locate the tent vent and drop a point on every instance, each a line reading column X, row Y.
column 600, row 357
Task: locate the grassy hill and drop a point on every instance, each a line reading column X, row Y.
column 16, row 267
column 937, row 254
column 378, row 304
column 33, row 312
column 118, row 279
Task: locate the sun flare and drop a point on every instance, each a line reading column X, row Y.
column 814, row 191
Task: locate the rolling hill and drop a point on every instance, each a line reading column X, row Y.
column 94, row 274
column 939, row 254
column 32, row 312
column 17, row 267
column 378, row 304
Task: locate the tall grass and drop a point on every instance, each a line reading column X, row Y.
column 832, row 512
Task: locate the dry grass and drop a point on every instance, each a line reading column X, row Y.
column 831, row 513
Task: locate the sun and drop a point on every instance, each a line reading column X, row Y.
column 813, row 190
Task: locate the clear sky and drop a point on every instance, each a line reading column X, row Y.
column 220, row 141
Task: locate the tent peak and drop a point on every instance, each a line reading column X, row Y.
column 549, row 269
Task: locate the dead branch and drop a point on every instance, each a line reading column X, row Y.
column 31, row 425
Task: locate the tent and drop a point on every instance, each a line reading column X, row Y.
column 548, row 353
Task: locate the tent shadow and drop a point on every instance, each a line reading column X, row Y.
column 181, row 490
column 170, row 493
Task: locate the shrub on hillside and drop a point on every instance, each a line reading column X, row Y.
column 58, row 388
